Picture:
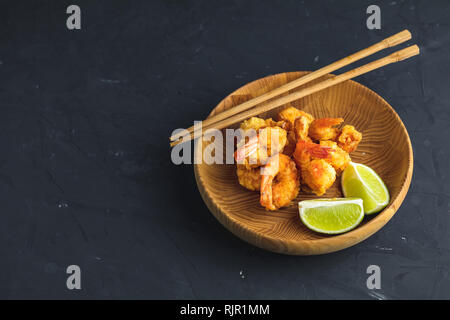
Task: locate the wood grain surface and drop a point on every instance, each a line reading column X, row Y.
column 385, row 147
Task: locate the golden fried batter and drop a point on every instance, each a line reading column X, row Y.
column 249, row 178
column 268, row 142
column 349, row 138
column 318, row 175
column 256, row 123
column 295, row 130
column 323, row 129
column 301, row 128
column 290, row 114
column 315, row 171
column 337, row 157
column 279, row 183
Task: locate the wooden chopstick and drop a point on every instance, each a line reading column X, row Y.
column 392, row 58
column 386, row 43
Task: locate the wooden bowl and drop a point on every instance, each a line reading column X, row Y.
column 385, row 147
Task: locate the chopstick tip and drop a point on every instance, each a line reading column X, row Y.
column 174, row 143
column 398, row 38
column 406, row 53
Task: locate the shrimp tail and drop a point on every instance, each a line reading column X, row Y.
column 315, row 150
column 268, row 173
column 266, row 192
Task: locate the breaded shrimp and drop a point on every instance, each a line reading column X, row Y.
column 298, row 132
column 256, row 123
column 249, row 178
column 268, row 142
column 323, row 129
column 319, row 175
column 338, row 158
column 290, row 114
column 301, row 128
column 279, row 182
column 315, row 171
column 290, row 143
column 282, row 124
column 349, row 138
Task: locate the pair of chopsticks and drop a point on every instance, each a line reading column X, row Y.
column 250, row 108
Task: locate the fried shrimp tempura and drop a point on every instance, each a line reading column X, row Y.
column 290, row 114
column 323, row 129
column 279, row 182
column 256, row 152
column 297, row 129
column 256, row 123
column 338, row 158
column 315, row 171
column 279, row 157
column 249, row 178
column 319, row 176
column 301, row 128
column 349, row 138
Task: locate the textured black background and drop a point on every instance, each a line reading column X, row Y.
column 85, row 170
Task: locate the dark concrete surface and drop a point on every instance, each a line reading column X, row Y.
column 85, row 170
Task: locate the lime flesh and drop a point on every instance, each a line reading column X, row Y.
column 360, row 181
column 331, row 216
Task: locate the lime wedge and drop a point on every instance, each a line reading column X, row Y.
column 331, row 216
column 362, row 182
